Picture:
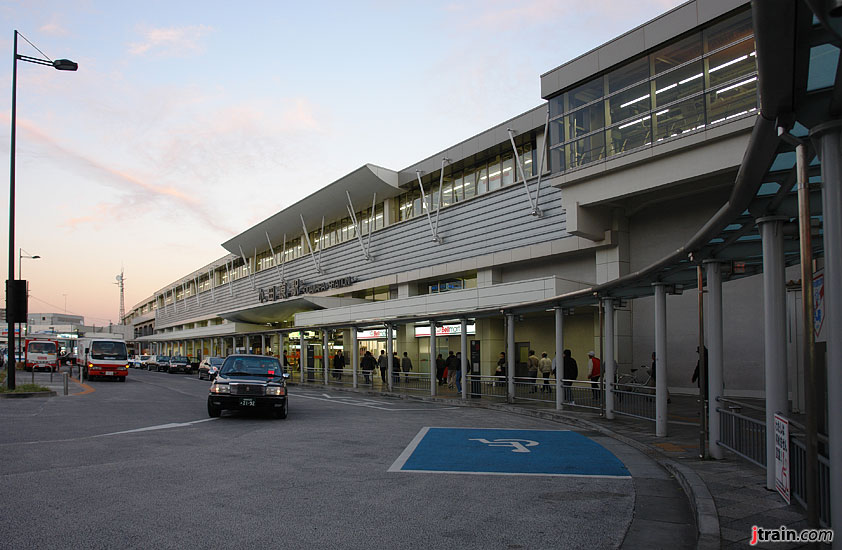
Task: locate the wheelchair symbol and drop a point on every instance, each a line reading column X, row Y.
column 517, row 445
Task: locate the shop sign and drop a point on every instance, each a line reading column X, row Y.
column 782, row 457
column 375, row 334
column 444, row 330
column 296, row 287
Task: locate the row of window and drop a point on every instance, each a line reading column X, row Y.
column 699, row 80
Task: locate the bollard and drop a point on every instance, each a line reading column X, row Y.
column 52, row 370
column 33, row 375
column 65, row 382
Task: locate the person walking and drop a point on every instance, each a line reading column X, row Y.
column 545, row 365
column 367, row 365
column 454, row 371
column 440, row 369
column 502, row 369
column 571, row 372
column 594, row 372
column 406, row 366
column 338, row 364
column 532, row 364
column 396, row 368
column 383, row 365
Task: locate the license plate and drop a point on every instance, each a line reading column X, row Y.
column 109, row 373
column 247, row 402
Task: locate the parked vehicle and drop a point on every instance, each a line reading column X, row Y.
column 250, row 383
column 104, row 357
column 160, row 363
column 41, row 354
column 180, row 363
column 209, row 367
column 138, row 361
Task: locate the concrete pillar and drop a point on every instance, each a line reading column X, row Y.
column 355, row 356
column 247, row 343
column 774, row 332
column 610, row 362
column 828, row 139
column 510, row 355
column 661, row 407
column 464, row 349
column 263, row 344
column 302, row 353
column 390, row 360
column 716, row 366
column 559, row 355
column 432, row 357
column 325, row 355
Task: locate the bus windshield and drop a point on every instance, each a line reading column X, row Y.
column 109, row 350
column 42, row 347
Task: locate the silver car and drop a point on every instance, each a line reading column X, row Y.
column 209, row 367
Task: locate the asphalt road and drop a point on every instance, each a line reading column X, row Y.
column 140, row 465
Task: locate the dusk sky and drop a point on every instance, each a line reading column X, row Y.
column 188, row 122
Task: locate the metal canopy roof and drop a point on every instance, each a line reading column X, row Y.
column 268, row 313
column 329, row 201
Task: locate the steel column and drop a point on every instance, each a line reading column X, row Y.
column 610, row 366
column 559, row 355
column 661, row 406
column 465, row 362
column 716, row 355
column 325, row 355
column 432, row 358
column 355, row 355
column 302, row 353
column 510, row 347
column 774, row 332
column 389, row 357
column 829, row 147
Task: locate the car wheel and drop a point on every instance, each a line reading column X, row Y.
column 214, row 411
column 283, row 411
column 123, row 378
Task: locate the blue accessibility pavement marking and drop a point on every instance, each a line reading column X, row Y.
column 508, row 452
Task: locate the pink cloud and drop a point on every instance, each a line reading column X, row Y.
column 175, row 41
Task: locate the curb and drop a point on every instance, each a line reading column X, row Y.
column 25, row 394
column 701, row 501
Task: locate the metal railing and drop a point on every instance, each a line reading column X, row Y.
column 742, row 434
column 495, row 387
column 798, row 474
column 635, row 400
column 411, row 382
column 534, row 389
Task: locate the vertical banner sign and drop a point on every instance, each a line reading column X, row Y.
column 782, row 456
column 818, row 303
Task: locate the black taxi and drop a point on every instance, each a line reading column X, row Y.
column 249, row 383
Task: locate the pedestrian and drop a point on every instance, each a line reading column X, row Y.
column 367, row 365
column 502, row 369
column 545, row 365
column 396, row 369
column 532, row 364
column 338, row 364
column 454, row 371
column 459, row 374
column 696, row 378
column 406, row 366
column 594, row 372
column 570, row 370
column 440, row 369
column 383, row 365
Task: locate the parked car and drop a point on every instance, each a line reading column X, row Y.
column 209, row 367
column 138, row 361
column 180, row 363
column 146, row 362
column 249, row 383
column 160, row 363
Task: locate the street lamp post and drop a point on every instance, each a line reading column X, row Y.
column 22, row 257
column 12, row 309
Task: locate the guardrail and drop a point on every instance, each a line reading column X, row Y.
column 742, row 434
column 635, row 400
column 798, row 473
column 494, row 387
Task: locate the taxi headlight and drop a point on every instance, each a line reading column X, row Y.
column 220, row 388
column 274, row 390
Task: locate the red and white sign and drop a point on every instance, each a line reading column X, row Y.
column 782, row 457
column 444, row 330
column 375, row 334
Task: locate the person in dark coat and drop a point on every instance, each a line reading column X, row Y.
column 338, row 364
column 367, row 365
column 571, row 373
column 697, row 379
column 406, row 366
column 440, row 369
column 383, row 365
column 454, row 371
column 396, row 368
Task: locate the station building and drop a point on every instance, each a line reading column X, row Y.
column 646, row 134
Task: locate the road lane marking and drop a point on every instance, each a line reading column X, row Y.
column 368, row 403
column 158, row 427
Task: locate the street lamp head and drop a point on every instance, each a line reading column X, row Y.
column 35, row 257
column 65, row 65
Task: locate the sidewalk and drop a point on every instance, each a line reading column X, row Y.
column 57, row 382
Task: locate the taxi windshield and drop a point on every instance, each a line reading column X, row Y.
column 251, row 366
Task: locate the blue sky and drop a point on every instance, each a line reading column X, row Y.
column 189, row 122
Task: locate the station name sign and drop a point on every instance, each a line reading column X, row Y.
column 296, row 287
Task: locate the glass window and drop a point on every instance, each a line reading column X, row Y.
column 495, row 173
column 458, row 188
column 584, row 121
column 680, row 118
column 677, row 53
column 508, row 169
column 629, row 103
column 586, row 150
column 446, row 194
column 557, row 163
column 528, row 161
column 556, row 105
column 630, row 135
column 732, row 101
column 557, row 134
column 469, row 184
column 679, row 83
column 628, row 74
column 587, row 92
column 731, row 63
column 728, row 31
column 482, row 180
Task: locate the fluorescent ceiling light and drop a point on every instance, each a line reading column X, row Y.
column 633, row 101
column 670, row 87
column 632, row 123
column 737, row 60
column 686, row 80
column 528, row 161
column 509, row 169
column 492, row 174
column 737, row 85
column 663, row 112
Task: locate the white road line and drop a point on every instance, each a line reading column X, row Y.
column 158, row 427
column 368, row 403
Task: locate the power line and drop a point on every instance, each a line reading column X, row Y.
column 57, row 308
